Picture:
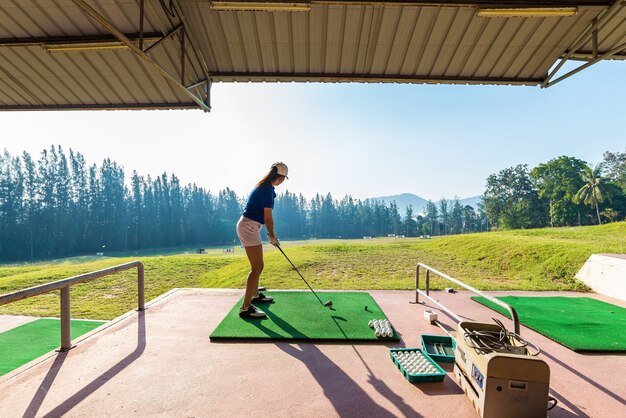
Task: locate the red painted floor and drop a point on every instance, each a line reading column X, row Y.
column 161, row 364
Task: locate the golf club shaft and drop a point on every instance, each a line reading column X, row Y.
column 302, row 277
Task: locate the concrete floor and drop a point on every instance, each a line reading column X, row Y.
column 161, row 363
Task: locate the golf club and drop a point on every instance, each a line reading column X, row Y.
column 327, row 304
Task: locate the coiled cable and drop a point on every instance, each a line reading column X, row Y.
column 500, row 341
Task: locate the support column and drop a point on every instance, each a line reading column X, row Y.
column 66, row 327
column 140, row 288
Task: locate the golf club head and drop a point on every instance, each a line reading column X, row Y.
column 329, row 303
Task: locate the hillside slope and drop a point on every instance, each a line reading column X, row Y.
column 543, row 259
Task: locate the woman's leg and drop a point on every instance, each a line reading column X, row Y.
column 255, row 256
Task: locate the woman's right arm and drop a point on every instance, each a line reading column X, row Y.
column 269, row 224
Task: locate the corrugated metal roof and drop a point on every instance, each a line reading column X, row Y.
column 403, row 41
column 32, row 77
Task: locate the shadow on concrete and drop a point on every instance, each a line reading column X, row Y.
column 79, row 396
column 585, row 378
column 559, row 412
column 42, row 390
column 346, row 396
column 446, row 328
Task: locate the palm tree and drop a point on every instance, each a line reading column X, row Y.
column 593, row 192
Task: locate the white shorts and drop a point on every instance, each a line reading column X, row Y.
column 249, row 232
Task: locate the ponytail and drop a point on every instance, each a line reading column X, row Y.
column 269, row 177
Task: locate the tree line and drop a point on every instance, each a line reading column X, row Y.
column 325, row 217
column 59, row 205
column 564, row 191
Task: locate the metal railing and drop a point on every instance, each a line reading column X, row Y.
column 64, row 285
column 428, row 269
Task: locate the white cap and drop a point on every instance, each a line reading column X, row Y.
column 281, row 169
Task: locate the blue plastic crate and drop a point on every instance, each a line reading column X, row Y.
column 430, row 372
column 439, row 347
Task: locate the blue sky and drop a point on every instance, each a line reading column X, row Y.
column 366, row 140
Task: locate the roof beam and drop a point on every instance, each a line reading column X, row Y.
column 192, row 42
column 73, row 40
column 589, row 55
column 616, row 6
column 102, row 106
column 369, row 78
column 167, row 35
column 91, row 12
column 606, row 55
column 445, row 3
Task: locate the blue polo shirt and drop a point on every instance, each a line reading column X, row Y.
column 261, row 197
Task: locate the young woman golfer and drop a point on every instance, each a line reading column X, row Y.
column 258, row 213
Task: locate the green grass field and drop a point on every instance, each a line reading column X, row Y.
column 545, row 259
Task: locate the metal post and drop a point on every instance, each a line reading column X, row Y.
column 66, row 331
column 506, row 306
column 140, row 288
column 64, row 287
column 417, row 283
column 182, row 58
column 141, row 12
column 208, row 93
column 594, row 40
column 192, row 41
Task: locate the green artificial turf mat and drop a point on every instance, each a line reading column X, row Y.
column 581, row 324
column 300, row 316
column 27, row 342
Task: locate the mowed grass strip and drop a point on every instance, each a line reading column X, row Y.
column 545, row 259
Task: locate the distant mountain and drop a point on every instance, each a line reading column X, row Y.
column 403, row 200
column 419, row 203
column 472, row 201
